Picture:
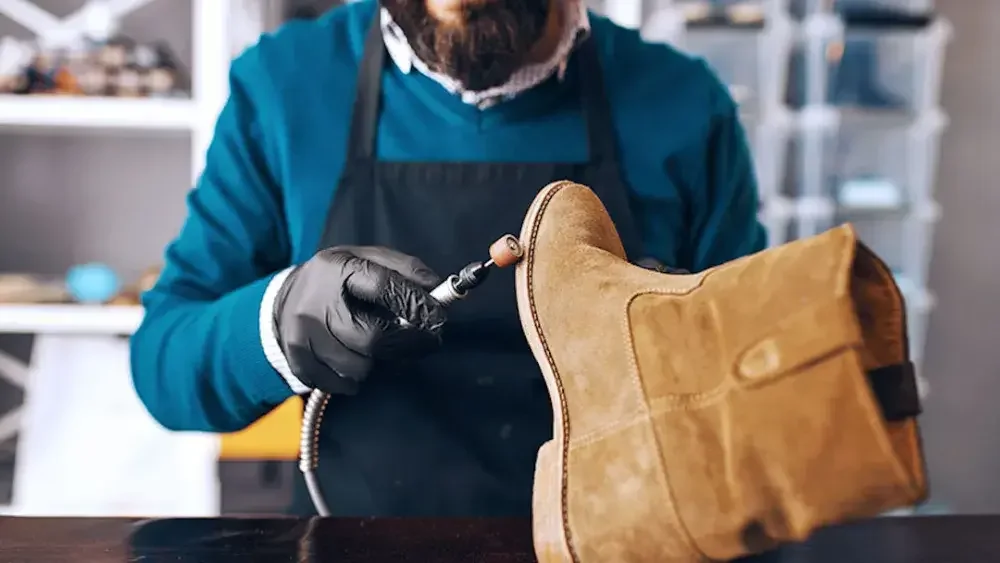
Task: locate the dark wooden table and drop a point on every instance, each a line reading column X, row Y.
column 950, row 539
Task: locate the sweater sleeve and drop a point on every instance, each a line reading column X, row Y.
column 197, row 359
column 725, row 225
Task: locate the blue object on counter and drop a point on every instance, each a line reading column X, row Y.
column 92, row 283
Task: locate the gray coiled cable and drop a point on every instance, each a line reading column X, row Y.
column 312, row 419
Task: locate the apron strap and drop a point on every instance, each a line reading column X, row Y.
column 596, row 107
column 602, row 140
column 368, row 95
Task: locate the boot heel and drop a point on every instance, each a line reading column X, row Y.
column 551, row 545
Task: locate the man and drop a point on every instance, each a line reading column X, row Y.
column 380, row 148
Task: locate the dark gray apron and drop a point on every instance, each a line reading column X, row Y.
column 454, row 434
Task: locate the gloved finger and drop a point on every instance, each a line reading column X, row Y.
column 400, row 297
column 314, row 373
column 657, row 266
column 411, row 267
column 316, row 339
column 358, row 324
column 345, row 362
column 402, row 342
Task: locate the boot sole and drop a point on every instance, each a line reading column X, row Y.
column 550, row 517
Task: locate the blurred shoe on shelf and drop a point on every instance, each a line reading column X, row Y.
column 25, row 288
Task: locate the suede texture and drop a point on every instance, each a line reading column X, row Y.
column 707, row 416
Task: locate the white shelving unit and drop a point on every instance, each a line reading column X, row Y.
column 60, row 113
column 868, row 135
column 744, row 56
column 86, row 445
column 69, row 319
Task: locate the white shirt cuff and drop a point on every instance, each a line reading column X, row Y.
column 268, row 338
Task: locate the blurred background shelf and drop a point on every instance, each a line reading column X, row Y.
column 95, row 113
column 69, row 319
column 103, row 179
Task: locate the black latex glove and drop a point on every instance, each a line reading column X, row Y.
column 336, row 316
column 657, row 266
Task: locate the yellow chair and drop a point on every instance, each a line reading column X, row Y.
column 273, row 437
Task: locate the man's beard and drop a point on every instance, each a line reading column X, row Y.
column 492, row 40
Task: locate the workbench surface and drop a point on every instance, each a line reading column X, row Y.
column 964, row 539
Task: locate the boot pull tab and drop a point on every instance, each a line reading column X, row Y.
column 657, row 266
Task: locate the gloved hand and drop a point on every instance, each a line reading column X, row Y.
column 336, row 316
column 657, row 266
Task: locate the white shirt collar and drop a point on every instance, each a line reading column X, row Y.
column 577, row 29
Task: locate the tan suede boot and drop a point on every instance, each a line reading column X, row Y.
column 709, row 416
